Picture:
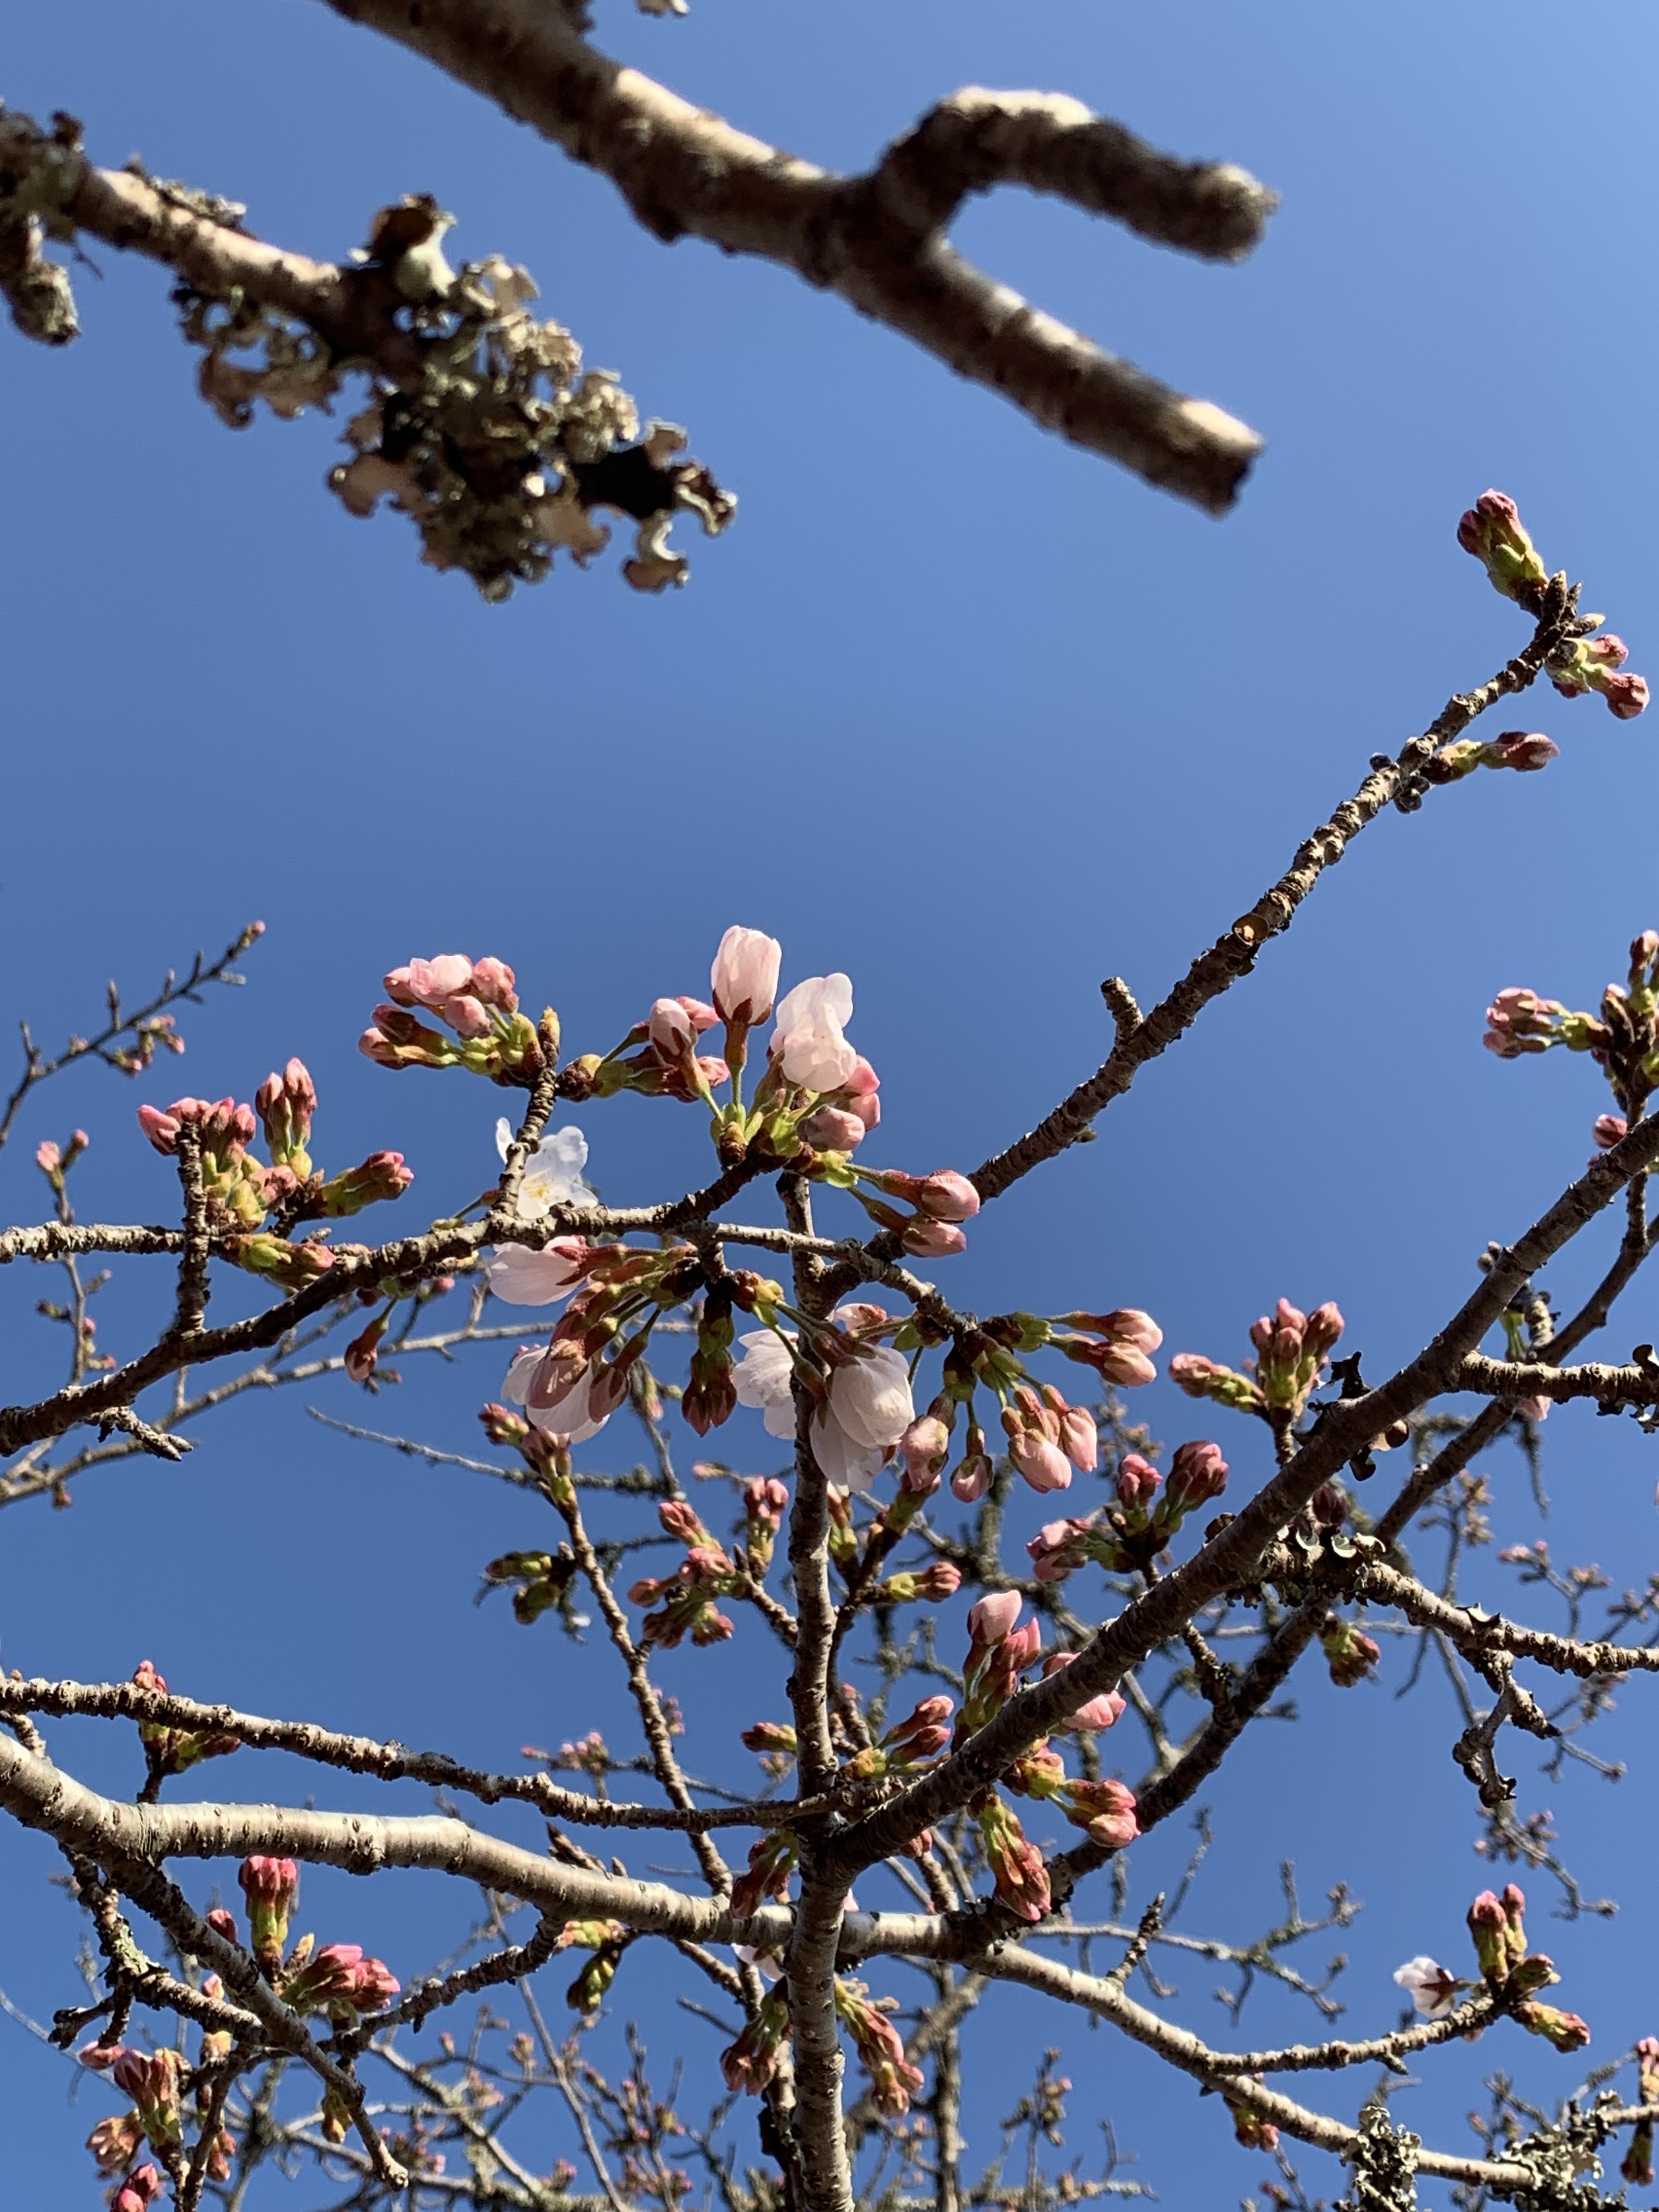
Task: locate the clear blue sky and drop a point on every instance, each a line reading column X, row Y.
column 952, row 707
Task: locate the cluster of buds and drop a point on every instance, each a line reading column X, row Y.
column 540, row 1580
column 1046, row 1437
column 1624, row 1041
column 605, row 1939
column 1292, row 1350
column 667, row 1064
column 1637, row 2166
column 1525, row 750
column 1349, row 1655
column 240, row 1193
column 940, row 1204
column 1493, row 530
column 1104, row 1810
column 55, row 1161
column 151, row 2079
column 155, row 1031
column 1250, row 2131
column 339, row 1981
column 771, row 1861
column 571, row 1386
column 685, row 1599
column 765, row 1501
column 999, row 1653
column 476, row 1003
column 893, row 2079
column 270, row 1887
column 1146, row 1516
column 1583, row 665
column 1497, row 1924
column 750, row 2065
column 1018, row 1873
column 909, row 1744
column 171, row 1750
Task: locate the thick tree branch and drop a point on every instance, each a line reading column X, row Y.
column 877, row 239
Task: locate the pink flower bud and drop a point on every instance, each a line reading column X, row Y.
column 1101, row 1711
column 493, row 982
column 1628, row 696
column 1610, row 1129
column 1044, row 1464
column 1197, row 1473
column 992, row 1620
column 1134, row 1482
column 1521, row 749
column 270, row 1887
column 972, row 1479
column 1079, row 1439
column 928, row 1239
column 832, row 1129
column 743, row 980
column 670, row 1028
column 924, row 1445
column 223, row 1923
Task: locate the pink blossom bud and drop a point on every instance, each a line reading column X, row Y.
column 1043, row 1465
column 1628, row 696
column 493, row 983
column 1610, row 1129
column 670, row 1028
column 928, row 1239
column 270, row 1887
column 972, row 1479
column 222, row 1923
column 1101, row 1711
column 1079, row 1439
column 1124, row 1325
column 832, row 1129
column 1197, row 1473
column 924, row 1445
column 992, row 1620
column 140, row 2189
column 944, row 1195
column 49, row 1160
column 743, row 980
column 1525, row 750
column 1134, row 1482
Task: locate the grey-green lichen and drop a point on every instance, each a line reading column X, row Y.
column 501, row 453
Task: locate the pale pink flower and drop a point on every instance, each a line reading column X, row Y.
column 444, row 987
column 870, row 1400
column 808, row 1040
column 763, row 1376
column 522, row 1278
column 553, row 1172
column 1428, row 1984
column 566, row 1417
column 744, row 980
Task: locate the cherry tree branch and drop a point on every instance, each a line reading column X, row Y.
column 878, row 239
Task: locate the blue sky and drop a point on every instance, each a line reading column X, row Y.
column 952, row 707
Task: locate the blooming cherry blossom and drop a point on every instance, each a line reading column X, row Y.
column 807, row 1042
column 1431, row 1988
column 567, row 1416
column 522, row 1278
column 552, row 1175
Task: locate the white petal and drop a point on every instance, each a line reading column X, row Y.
column 503, row 1135
column 519, row 1375
column 842, row 1458
column 522, row 1278
column 871, row 1398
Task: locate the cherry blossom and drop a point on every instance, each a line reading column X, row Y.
column 522, row 1278
column 1431, row 1988
column 552, row 1175
column 763, row 1378
column 566, row 1416
column 807, row 1041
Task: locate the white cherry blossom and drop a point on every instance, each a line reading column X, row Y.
column 552, row 1173
column 1431, row 1988
column 523, row 1278
column 808, row 1039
